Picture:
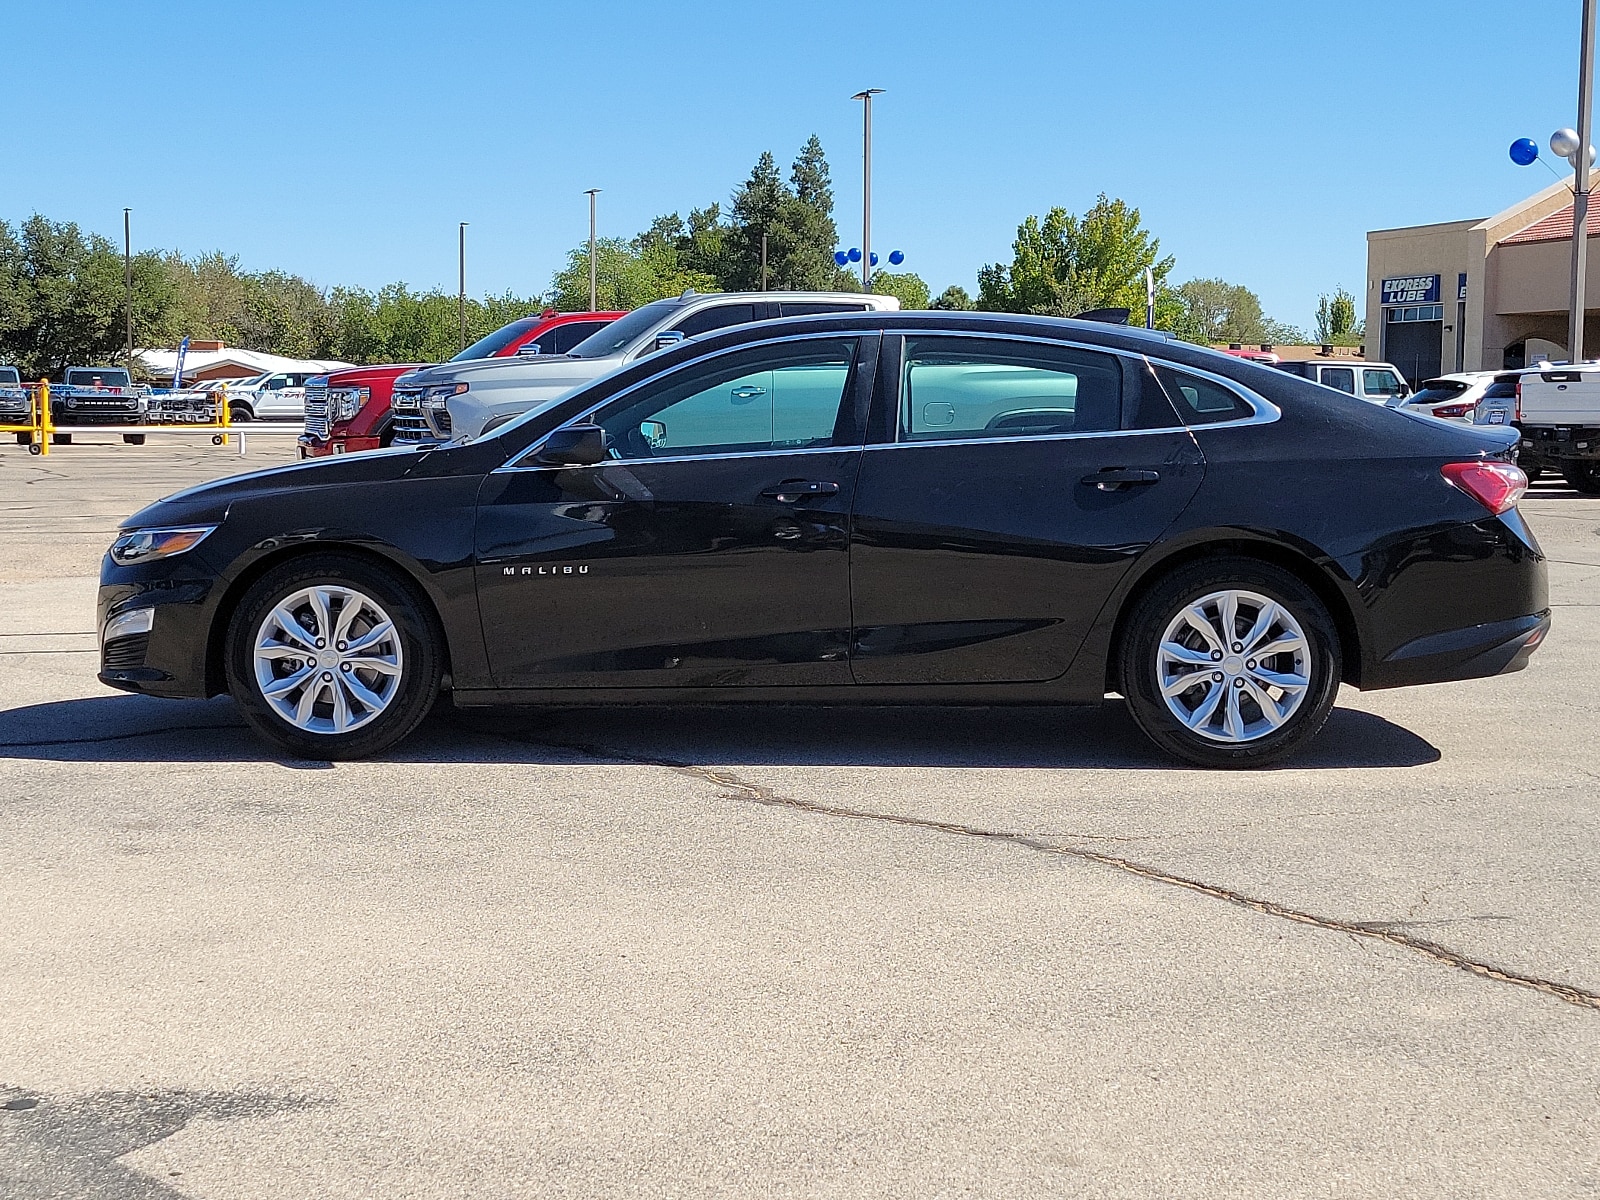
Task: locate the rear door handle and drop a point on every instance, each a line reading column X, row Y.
column 793, row 491
column 1112, row 479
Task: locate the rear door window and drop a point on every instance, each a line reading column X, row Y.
column 1343, row 378
column 717, row 317
column 960, row 388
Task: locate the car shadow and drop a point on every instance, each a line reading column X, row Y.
column 139, row 729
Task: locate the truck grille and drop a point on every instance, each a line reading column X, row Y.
column 409, row 424
column 317, row 411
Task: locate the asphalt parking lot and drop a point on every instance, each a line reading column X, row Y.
column 784, row 952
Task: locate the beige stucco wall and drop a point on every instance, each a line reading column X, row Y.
column 1444, row 250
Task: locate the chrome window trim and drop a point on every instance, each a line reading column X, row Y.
column 1264, row 411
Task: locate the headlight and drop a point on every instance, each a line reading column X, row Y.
column 142, row 545
column 345, row 403
column 436, row 397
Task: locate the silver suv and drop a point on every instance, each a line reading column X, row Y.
column 464, row 399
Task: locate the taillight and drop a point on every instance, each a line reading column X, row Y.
column 1495, row 485
column 1517, row 414
column 1453, row 410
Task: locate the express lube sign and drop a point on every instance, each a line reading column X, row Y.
column 1411, row 289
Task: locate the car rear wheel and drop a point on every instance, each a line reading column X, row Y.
column 1230, row 663
column 1583, row 476
column 333, row 657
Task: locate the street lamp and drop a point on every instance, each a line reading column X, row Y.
column 127, row 277
column 866, row 184
column 1575, row 146
column 593, row 277
column 461, row 296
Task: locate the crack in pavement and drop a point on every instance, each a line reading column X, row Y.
column 1378, row 931
column 118, row 737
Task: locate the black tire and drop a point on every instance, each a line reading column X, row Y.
column 238, row 414
column 133, row 439
column 61, row 439
column 24, row 439
column 421, row 655
column 1532, row 466
column 1138, row 662
column 1582, row 476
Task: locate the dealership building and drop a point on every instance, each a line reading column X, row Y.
column 1481, row 295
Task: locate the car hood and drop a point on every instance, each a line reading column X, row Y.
column 209, row 502
column 556, row 370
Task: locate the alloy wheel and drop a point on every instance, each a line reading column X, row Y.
column 1233, row 666
column 328, row 659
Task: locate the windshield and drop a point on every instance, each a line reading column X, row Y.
column 9, row 375
column 488, row 347
column 108, row 377
column 623, row 330
column 1435, row 390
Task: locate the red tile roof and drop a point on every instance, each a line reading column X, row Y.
column 1556, row 227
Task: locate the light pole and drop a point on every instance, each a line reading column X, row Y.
column 594, row 289
column 1149, row 298
column 1580, row 186
column 461, row 296
column 127, row 277
column 866, row 184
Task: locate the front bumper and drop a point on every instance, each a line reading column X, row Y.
column 170, row 658
column 311, row 447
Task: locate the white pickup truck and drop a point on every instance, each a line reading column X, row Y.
column 1559, row 414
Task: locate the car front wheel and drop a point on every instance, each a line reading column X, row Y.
column 1230, row 663
column 332, row 657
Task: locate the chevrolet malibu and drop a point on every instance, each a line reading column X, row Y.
column 878, row 507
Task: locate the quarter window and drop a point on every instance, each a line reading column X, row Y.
column 1200, row 401
column 784, row 397
column 990, row 388
column 1343, row 378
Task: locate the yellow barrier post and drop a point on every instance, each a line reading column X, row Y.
column 224, row 415
column 45, row 423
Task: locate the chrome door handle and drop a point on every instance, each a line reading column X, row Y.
column 1113, row 479
column 747, row 392
column 793, row 491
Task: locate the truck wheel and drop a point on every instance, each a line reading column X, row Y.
column 24, row 439
column 61, row 439
column 238, row 414
column 133, row 439
column 1532, row 465
column 1229, row 662
column 333, row 657
column 1583, row 476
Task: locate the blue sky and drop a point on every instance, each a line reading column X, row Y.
column 345, row 141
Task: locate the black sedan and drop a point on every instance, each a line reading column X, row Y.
column 864, row 508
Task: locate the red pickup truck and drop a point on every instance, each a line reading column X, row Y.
column 348, row 410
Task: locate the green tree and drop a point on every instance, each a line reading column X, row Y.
column 625, row 278
column 1336, row 320
column 905, row 286
column 954, row 299
column 1064, row 265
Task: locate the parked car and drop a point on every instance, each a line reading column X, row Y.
column 16, row 406
column 453, row 400
column 1558, row 411
column 933, row 507
column 95, row 396
column 1449, row 397
column 349, row 410
column 1379, row 382
column 275, row 396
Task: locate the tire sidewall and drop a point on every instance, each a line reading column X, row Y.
column 1155, row 610
column 420, row 674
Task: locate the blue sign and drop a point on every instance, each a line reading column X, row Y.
column 1411, row 289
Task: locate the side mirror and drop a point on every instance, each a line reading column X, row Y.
column 654, row 433
column 574, row 446
column 1405, row 390
column 668, row 337
column 530, row 348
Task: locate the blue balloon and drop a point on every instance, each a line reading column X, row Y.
column 874, row 258
column 854, row 255
column 896, row 257
column 840, row 257
column 1524, row 151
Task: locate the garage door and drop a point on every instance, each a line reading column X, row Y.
column 1412, row 338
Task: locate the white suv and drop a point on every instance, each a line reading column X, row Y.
column 464, row 399
column 1379, row 382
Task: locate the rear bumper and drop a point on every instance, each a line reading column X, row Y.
column 1561, row 441
column 1496, row 648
